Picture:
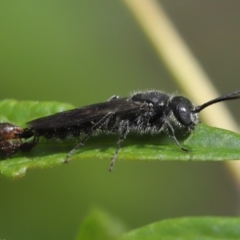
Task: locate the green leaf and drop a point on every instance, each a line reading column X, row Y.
column 100, row 226
column 197, row 228
column 204, row 143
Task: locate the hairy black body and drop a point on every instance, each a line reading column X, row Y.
column 150, row 111
column 143, row 112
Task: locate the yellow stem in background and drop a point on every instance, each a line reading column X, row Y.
column 183, row 66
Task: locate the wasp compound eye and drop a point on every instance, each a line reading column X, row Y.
column 184, row 115
column 182, row 108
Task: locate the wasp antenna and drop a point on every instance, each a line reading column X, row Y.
column 229, row 96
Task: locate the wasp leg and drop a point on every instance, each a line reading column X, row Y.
column 27, row 146
column 172, row 135
column 81, row 143
column 123, row 134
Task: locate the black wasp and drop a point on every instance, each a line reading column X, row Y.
column 143, row 112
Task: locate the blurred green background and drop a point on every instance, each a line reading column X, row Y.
column 83, row 52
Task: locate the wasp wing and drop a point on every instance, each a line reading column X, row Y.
column 79, row 116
